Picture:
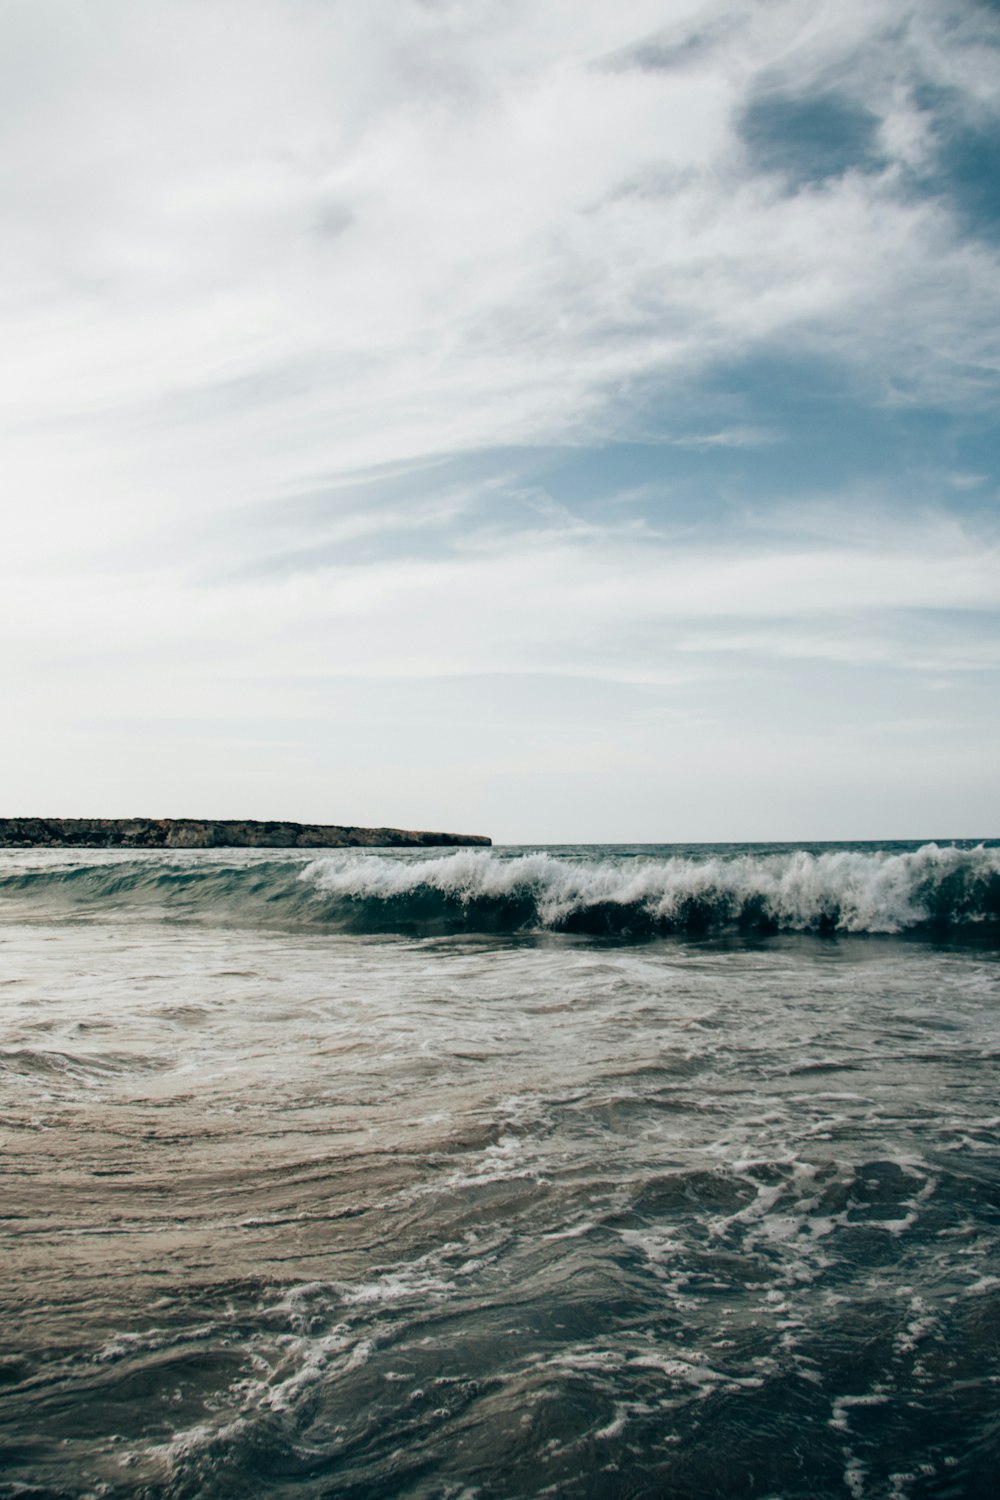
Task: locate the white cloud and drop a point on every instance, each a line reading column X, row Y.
column 252, row 250
column 515, row 231
column 596, row 605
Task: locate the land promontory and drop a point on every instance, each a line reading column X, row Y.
column 215, row 833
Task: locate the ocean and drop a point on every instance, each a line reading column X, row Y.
column 598, row 1172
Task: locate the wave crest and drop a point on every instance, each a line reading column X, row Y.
column 841, row 891
column 604, row 893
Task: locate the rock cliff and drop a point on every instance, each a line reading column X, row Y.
column 199, row 833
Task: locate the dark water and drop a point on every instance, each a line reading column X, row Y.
column 598, row 1173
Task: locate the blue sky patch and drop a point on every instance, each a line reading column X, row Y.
column 809, row 139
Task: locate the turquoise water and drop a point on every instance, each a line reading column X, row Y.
column 591, row 1172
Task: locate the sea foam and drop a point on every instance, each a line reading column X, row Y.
column 840, row 891
column 598, row 891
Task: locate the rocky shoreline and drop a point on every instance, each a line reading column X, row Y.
column 200, row 833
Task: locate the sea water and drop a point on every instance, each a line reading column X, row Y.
column 584, row 1172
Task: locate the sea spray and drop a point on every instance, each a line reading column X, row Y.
column 289, row 1206
column 590, row 891
column 843, row 890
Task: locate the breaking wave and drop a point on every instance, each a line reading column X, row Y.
column 933, row 888
column 843, row 891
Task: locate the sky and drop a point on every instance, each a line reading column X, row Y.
column 554, row 419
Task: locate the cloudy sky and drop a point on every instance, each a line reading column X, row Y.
column 558, row 419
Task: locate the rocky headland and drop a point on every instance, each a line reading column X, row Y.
column 202, row 833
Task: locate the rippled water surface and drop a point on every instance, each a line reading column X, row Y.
column 330, row 1178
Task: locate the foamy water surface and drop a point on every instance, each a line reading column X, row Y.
column 594, row 1172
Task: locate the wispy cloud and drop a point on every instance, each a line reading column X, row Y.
column 290, row 294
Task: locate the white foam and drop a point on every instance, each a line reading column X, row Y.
column 854, row 891
column 842, row 1406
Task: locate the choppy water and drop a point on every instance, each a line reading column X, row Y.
column 595, row 1172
